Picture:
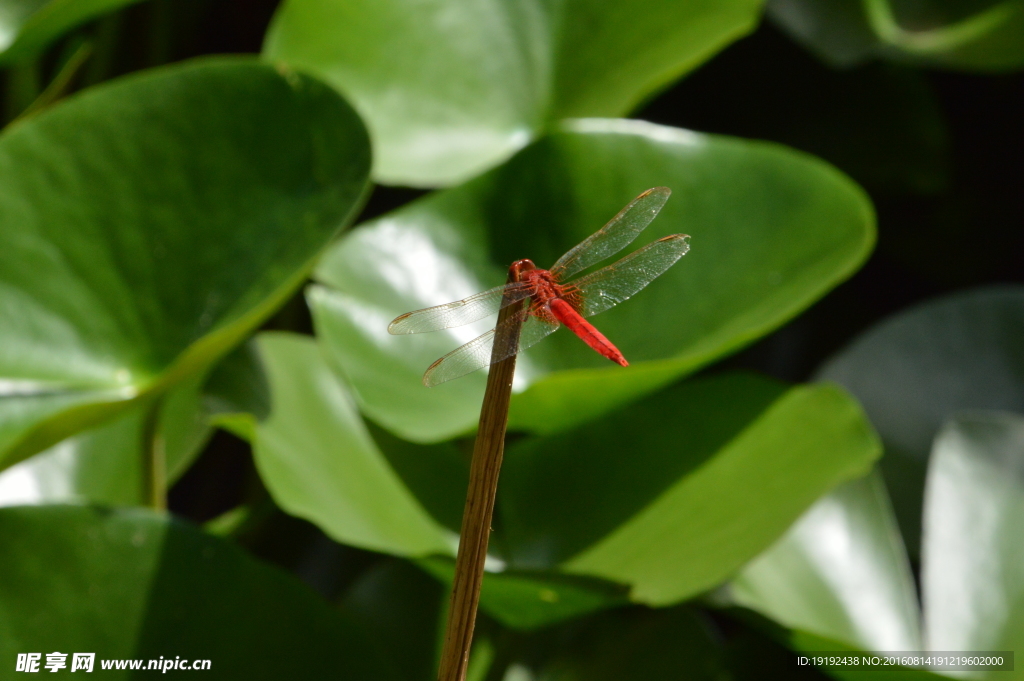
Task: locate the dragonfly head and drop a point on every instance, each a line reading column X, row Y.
column 520, row 266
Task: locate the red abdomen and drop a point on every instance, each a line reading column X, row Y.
column 564, row 312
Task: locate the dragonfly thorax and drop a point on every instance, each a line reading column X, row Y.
column 545, row 287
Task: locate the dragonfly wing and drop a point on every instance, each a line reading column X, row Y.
column 535, row 330
column 460, row 312
column 617, row 282
column 465, row 359
column 481, row 352
column 620, row 231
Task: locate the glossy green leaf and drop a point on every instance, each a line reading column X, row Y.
column 659, row 495
column 529, row 600
column 772, row 231
column 546, row 480
column 840, row 572
column 319, row 462
column 452, row 87
column 27, row 27
column 972, row 554
column 860, row 593
column 149, row 224
column 914, row 370
column 103, row 465
column 137, row 585
column 982, row 36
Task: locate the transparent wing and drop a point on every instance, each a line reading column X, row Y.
column 617, row 282
column 480, row 352
column 620, row 231
column 460, row 312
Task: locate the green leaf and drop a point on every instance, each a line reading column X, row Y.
column 103, row 465
column 861, row 594
column 977, row 36
column 659, row 495
column 320, row 463
column 450, row 88
column 544, row 483
column 972, row 554
column 913, row 371
column 529, row 600
column 150, row 224
column 238, row 384
column 840, row 572
column 400, row 609
column 27, row 27
column 438, row 474
column 636, row 645
column 134, row 584
column 773, row 230
column 805, row 642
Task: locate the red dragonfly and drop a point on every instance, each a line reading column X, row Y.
column 553, row 303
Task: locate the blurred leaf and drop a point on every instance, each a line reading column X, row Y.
column 840, row 572
column 27, row 27
column 881, row 123
column 400, row 608
column 229, row 522
column 525, row 600
column 74, row 55
column 319, row 462
column 754, row 651
column 638, row 646
column 970, row 562
column 102, row 465
column 981, row 35
column 481, row 660
column 659, row 496
column 238, row 384
column 972, row 553
column 753, row 654
column 914, row 370
column 971, row 557
column 150, row 224
column 773, row 230
column 450, row 88
column 133, row 584
column 803, row 641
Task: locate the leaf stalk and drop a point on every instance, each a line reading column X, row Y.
column 154, row 459
column 483, row 484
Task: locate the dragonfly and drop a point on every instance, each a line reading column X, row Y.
column 552, row 301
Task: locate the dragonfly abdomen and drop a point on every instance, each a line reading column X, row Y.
column 564, row 312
